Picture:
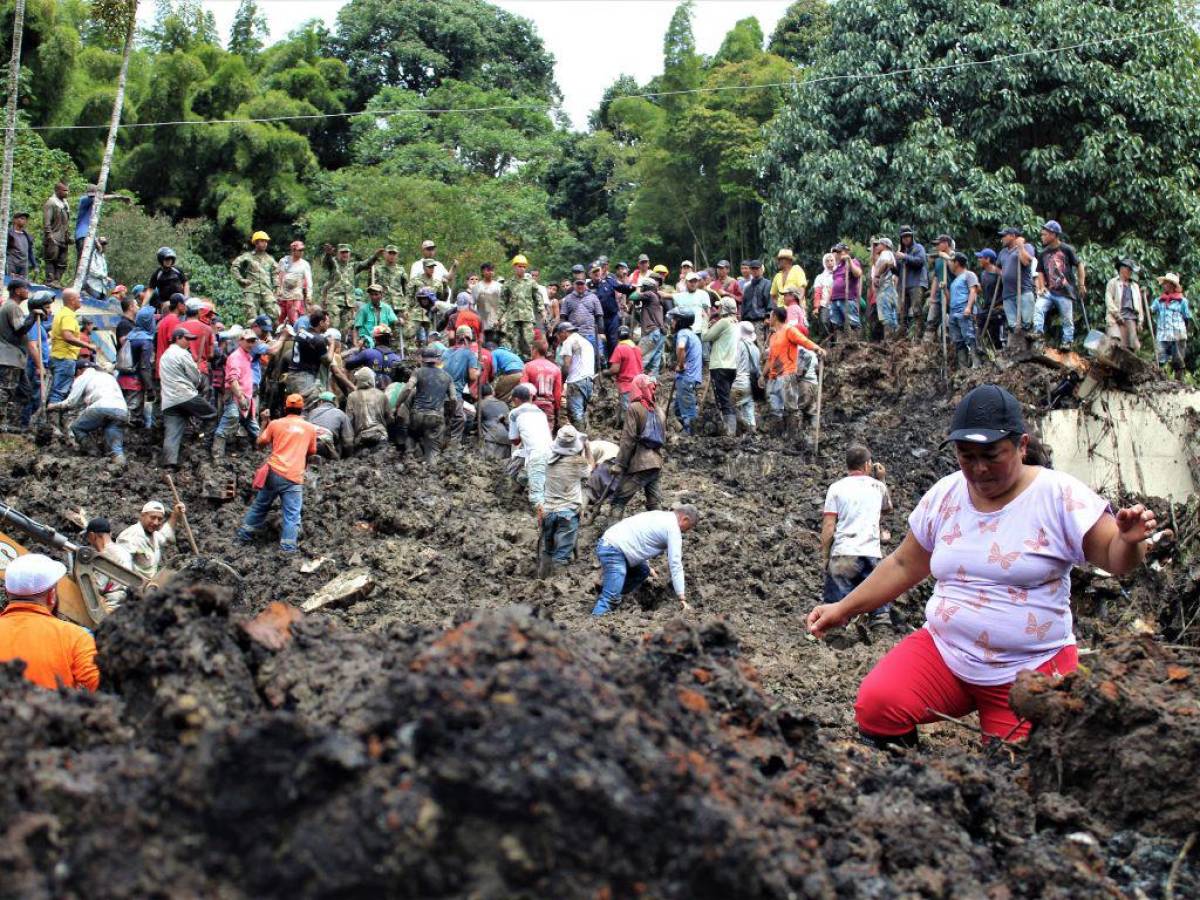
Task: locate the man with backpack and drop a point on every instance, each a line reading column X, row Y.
column 639, row 462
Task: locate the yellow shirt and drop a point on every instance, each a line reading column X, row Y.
column 64, row 320
column 795, row 278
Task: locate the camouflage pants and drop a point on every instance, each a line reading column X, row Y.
column 521, row 334
column 255, row 303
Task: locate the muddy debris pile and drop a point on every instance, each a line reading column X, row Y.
column 503, row 757
column 1116, row 742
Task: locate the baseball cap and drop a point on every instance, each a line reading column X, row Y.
column 577, row 269
column 1052, row 226
column 294, row 401
column 374, row 289
column 986, row 253
column 429, row 263
column 642, row 257
column 32, row 574
column 1009, row 231
column 263, row 322
column 430, row 353
column 906, row 230
column 194, row 305
column 988, row 413
column 327, row 396
column 755, row 264
column 98, row 525
column 343, row 248
column 428, row 245
column 563, row 326
column 960, row 258
column 944, row 238
column 154, row 506
column 391, row 248
column 182, row 332
column 722, row 264
column 579, row 278
column 688, row 263
column 692, row 276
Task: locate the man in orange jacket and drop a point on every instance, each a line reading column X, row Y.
column 292, row 440
column 789, row 390
column 56, row 653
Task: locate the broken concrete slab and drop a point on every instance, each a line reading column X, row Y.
column 1135, row 442
column 349, row 586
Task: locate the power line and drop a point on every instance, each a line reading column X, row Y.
column 545, row 107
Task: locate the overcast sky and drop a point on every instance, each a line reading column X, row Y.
column 593, row 41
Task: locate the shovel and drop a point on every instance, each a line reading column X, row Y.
column 187, row 529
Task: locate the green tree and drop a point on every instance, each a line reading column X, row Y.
column 801, row 30
column 683, row 68
column 180, row 25
column 48, row 51
column 743, row 43
column 418, row 44
column 1101, row 137
column 249, row 33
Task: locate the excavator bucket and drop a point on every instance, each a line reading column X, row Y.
column 70, row 598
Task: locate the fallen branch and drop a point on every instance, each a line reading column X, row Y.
column 1169, row 890
column 974, row 729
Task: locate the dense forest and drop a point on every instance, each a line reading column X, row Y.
column 442, row 119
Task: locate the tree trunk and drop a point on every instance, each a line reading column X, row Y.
column 114, row 124
column 10, row 129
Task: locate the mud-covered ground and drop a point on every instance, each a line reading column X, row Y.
column 467, row 730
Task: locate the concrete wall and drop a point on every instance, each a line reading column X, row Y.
column 1136, row 442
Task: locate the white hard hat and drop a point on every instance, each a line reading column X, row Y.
column 32, row 574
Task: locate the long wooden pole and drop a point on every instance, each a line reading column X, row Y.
column 10, row 129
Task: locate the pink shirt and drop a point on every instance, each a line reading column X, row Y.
column 1002, row 602
column 238, row 368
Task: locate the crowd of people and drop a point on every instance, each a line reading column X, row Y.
column 512, row 368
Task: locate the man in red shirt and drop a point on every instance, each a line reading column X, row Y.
column 176, row 310
column 292, row 441
column 202, row 346
column 725, row 286
column 547, row 382
column 625, row 364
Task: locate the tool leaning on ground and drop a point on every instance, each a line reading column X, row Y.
column 79, row 595
column 187, row 530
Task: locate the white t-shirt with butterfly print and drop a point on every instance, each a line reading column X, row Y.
column 1002, row 599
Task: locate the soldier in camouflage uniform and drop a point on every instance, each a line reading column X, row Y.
column 258, row 273
column 519, row 305
column 417, row 319
column 390, row 275
column 338, row 293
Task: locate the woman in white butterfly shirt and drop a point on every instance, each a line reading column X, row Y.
column 1000, row 537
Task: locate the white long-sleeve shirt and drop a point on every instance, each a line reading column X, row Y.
column 93, row 388
column 179, row 376
column 647, row 535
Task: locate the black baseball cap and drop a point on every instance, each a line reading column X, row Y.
column 987, row 414
column 98, row 525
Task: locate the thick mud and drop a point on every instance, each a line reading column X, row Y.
column 463, row 729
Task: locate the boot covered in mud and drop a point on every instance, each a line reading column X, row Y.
column 961, row 360
column 791, row 425
column 729, row 421
column 973, row 360
column 218, row 447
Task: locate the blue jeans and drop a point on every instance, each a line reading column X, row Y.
column 618, row 577
column 843, row 311
column 1066, row 312
column 62, row 376
column 579, row 394
column 291, row 499
column 885, row 303
column 559, row 531
column 35, row 396
column 1010, row 310
column 113, row 421
column 652, row 352
column 962, row 329
column 685, row 401
column 231, row 417
column 844, row 574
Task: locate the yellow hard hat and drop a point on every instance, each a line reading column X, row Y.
column 259, row 236
column 520, row 260
column 661, row 269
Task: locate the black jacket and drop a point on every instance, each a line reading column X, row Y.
column 756, row 300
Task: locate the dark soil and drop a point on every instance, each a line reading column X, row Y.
column 466, row 730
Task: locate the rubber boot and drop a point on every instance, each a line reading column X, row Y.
column 730, row 421
column 973, row 357
column 218, row 447
column 960, row 357
column 790, row 425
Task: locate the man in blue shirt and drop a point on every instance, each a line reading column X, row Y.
column 689, row 357
column 462, row 365
column 83, row 218
column 964, row 292
column 1016, row 279
column 604, row 286
column 912, row 276
column 507, row 369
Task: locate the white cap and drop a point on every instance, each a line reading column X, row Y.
column 333, row 334
column 32, row 574
column 154, row 506
column 688, row 263
column 235, row 332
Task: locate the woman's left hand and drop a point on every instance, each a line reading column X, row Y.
column 1136, row 523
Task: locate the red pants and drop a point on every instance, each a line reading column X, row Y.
column 912, row 679
column 291, row 310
